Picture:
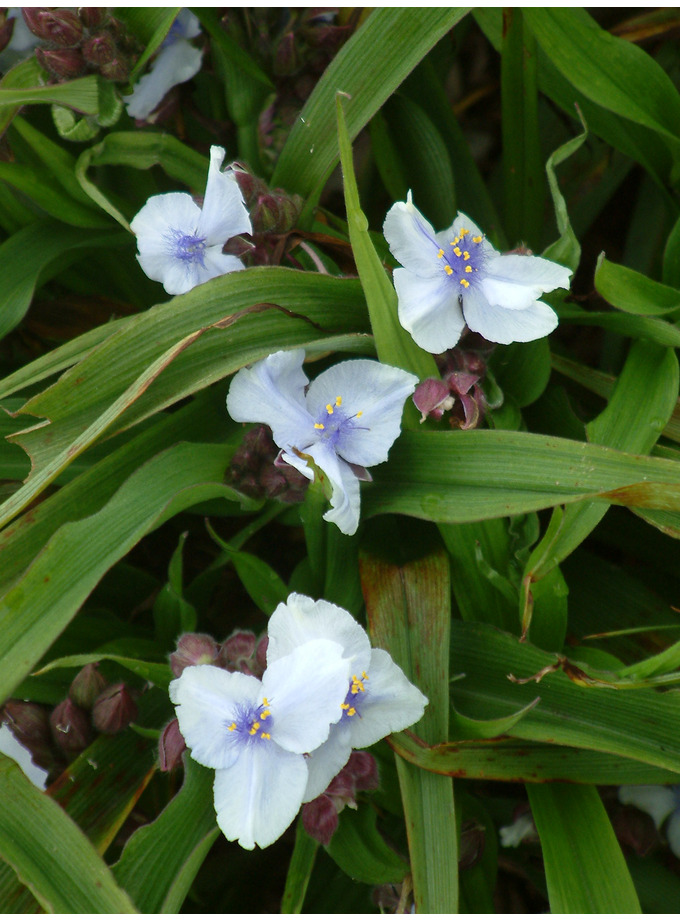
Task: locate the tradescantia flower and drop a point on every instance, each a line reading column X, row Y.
column 177, row 62
column 345, row 420
column 659, row 802
column 379, row 698
column 181, row 244
column 456, row 277
column 255, row 734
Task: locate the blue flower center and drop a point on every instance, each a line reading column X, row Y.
column 187, row 247
column 463, row 258
column 334, row 423
column 252, row 724
column 355, row 697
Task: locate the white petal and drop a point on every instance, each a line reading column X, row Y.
column 176, row 63
column 186, row 25
column 302, row 619
column 672, row 831
column 217, row 263
column 224, row 213
column 258, row 797
column 10, row 747
column 162, row 214
column 327, row 761
column 304, row 691
column 272, row 392
column 656, row 801
column 505, row 326
column 411, row 239
column 392, row 702
column 346, row 497
column 540, row 275
column 208, row 700
column 463, row 222
column 376, row 390
column 429, row 309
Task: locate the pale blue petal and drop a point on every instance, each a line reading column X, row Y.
column 346, row 498
column 272, row 392
column 392, row 702
column 10, row 747
column 429, row 309
column 378, row 392
column 217, row 263
column 207, row 700
column 328, row 760
column 160, row 216
column 540, row 275
column 672, row 832
column 656, row 801
column 411, row 239
column 304, row 691
column 257, row 798
column 463, row 222
column 186, row 25
column 176, row 63
column 504, row 326
column 224, row 213
column 302, row 619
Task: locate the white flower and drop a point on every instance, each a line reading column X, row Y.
column 177, row 62
column 255, row 734
column 456, row 277
column 345, row 420
column 181, row 244
column 379, row 698
column 659, row 802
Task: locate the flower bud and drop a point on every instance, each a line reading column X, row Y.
column 71, row 729
column 92, row 16
column 64, row 63
column 60, row 26
column 364, row 770
column 320, row 819
column 193, row 649
column 100, row 49
column 251, row 187
column 171, row 746
column 6, row 30
column 261, row 653
column 86, row 686
column 117, row 69
column 240, row 645
column 114, row 709
column 286, row 60
column 432, row 398
column 265, row 215
column 30, row 725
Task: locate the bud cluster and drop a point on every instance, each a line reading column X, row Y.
column 458, row 391
column 255, row 472
column 320, row 816
column 87, row 41
column 271, row 210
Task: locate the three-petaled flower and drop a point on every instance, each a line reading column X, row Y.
column 255, row 734
column 345, row 420
column 456, row 277
column 181, row 244
column 379, row 698
column 177, row 62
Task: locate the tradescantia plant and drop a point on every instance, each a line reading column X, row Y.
column 337, row 549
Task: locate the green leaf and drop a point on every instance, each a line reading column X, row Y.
column 368, row 68
column 361, row 852
column 50, row 854
column 299, row 871
column 567, row 249
column 151, row 25
column 632, row 291
column 152, row 671
column 81, row 95
column 172, row 614
column 464, row 727
column 584, row 865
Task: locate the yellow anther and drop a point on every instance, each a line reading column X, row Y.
column 265, row 714
column 456, row 241
column 464, row 231
column 253, row 728
column 457, row 251
column 338, row 400
column 319, row 426
column 232, row 727
column 351, row 711
column 344, row 705
column 468, row 269
column 360, row 413
column 329, row 409
column 364, row 675
column 265, row 735
column 476, row 239
column 465, row 283
column 466, row 255
column 440, row 254
column 448, row 269
column 265, row 701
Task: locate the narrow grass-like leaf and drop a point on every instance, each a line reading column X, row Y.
column 50, row 854
column 152, row 671
column 299, row 871
column 634, row 292
column 266, row 589
column 81, row 95
column 361, row 852
column 584, row 865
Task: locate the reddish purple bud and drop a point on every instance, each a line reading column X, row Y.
column 432, row 398
column 114, row 710
column 117, row 69
column 261, row 653
column 193, row 649
column 251, row 187
column 86, row 686
column 265, row 214
column 99, row 50
column 92, row 16
column 171, row 746
column 30, row 725
column 60, row 26
column 364, row 769
column 320, row 819
column 240, row 645
column 64, row 63
column 71, row 729
column 6, row 30
column 286, row 60
column 461, row 382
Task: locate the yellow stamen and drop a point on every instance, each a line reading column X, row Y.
column 440, row 253
column 344, row 705
column 265, row 701
column 360, row 413
column 457, row 251
column 265, row 735
column 465, row 283
column 329, row 409
column 466, row 255
column 338, row 400
column 476, row 239
column 319, row 426
column 456, row 241
column 468, row 269
column 265, row 714
column 351, row 711
column 448, row 269
column 464, row 231
column 254, row 727
column 232, row 727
